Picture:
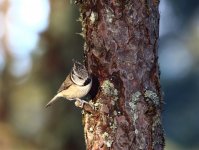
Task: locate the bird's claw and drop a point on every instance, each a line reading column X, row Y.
column 80, row 103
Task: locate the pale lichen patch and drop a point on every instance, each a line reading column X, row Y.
column 105, row 135
column 93, row 17
column 156, row 124
column 109, row 15
column 136, row 131
column 135, row 116
column 112, row 102
column 91, row 129
column 152, row 96
column 107, row 139
column 116, row 98
column 115, row 113
column 135, row 96
column 97, row 105
column 109, row 89
column 113, row 126
column 109, row 143
column 134, row 99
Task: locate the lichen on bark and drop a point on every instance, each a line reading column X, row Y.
column 121, row 41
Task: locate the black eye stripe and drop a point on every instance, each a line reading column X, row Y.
column 73, row 72
column 79, row 77
column 87, row 81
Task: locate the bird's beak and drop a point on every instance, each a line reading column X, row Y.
column 55, row 98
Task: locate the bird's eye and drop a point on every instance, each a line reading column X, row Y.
column 79, row 77
column 73, row 72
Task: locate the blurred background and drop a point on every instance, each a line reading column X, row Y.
column 38, row 40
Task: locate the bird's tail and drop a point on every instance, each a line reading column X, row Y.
column 55, row 98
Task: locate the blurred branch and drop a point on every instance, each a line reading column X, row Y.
column 6, row 78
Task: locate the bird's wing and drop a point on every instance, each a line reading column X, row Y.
column 65, row 84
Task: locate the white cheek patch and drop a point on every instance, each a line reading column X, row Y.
column 76, row 80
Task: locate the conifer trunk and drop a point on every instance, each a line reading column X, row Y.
column 121, row 41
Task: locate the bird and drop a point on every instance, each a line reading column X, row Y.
column 76, row 85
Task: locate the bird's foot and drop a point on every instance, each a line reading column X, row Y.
column 86, row 106
column 80, row 103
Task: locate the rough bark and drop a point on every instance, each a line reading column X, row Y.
column 121, row 41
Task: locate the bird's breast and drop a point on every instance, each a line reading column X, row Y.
column 76, row 91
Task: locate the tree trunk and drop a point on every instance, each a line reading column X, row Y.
column 121, row 41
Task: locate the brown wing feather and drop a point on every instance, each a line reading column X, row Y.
column 65, row 84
